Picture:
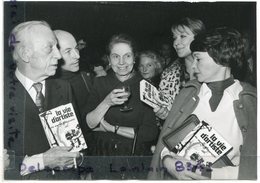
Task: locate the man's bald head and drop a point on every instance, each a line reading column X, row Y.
column 68, row 50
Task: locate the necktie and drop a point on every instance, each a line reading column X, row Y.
column 39, row 96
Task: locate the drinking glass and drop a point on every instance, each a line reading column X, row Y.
column 125, row 106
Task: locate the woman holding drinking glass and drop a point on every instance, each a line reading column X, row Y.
column 122, row 125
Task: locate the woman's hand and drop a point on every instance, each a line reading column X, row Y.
column 161, row 112
column 108, row 127
column 181, row 168
column 105, row 127
column 116, row 97
column 127, row 132
column 100, row 128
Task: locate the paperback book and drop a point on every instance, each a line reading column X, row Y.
column 151, row 96
column 203, row 145
column 62, row 128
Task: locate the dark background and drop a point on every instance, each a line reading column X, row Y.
column 146, row 22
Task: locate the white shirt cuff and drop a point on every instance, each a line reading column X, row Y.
column 32, row 164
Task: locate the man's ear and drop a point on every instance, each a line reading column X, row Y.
column 25, row 53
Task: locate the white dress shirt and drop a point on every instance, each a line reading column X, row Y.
column 28, row 84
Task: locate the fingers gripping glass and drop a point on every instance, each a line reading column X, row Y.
column 125, row 106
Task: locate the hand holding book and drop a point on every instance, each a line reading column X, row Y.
column 181, row 168
column 60, row 158
column 198, row 141
column 151, row 96
column 161, row 112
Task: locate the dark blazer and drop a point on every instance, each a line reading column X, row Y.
column 21, row 116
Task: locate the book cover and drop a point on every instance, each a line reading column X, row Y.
column 203, row 145
column 62, row 128
column 151, row 96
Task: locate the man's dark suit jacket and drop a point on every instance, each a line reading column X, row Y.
column 23, row 129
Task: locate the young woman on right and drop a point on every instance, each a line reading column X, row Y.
column 221, row 100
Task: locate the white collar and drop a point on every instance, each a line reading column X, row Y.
column 26, row 82
column 233, row 90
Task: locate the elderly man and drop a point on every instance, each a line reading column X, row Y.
column 34, row 50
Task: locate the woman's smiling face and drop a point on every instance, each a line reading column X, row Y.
column 182, row 38
column 147, row 67
column 121, row 59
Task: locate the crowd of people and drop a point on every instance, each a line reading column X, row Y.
column 117, row 126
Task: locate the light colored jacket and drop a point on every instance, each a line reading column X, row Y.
column 245, row 111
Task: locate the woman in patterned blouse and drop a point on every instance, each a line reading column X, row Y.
column 174, row 76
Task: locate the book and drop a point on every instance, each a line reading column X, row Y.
column 198, row 141
column 62, row 128
column 151, row 96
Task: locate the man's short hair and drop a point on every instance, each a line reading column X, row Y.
column 224, row 45
column 17, row 35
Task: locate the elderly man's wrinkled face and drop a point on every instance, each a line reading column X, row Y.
column 44, row 54
column 69, row 52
